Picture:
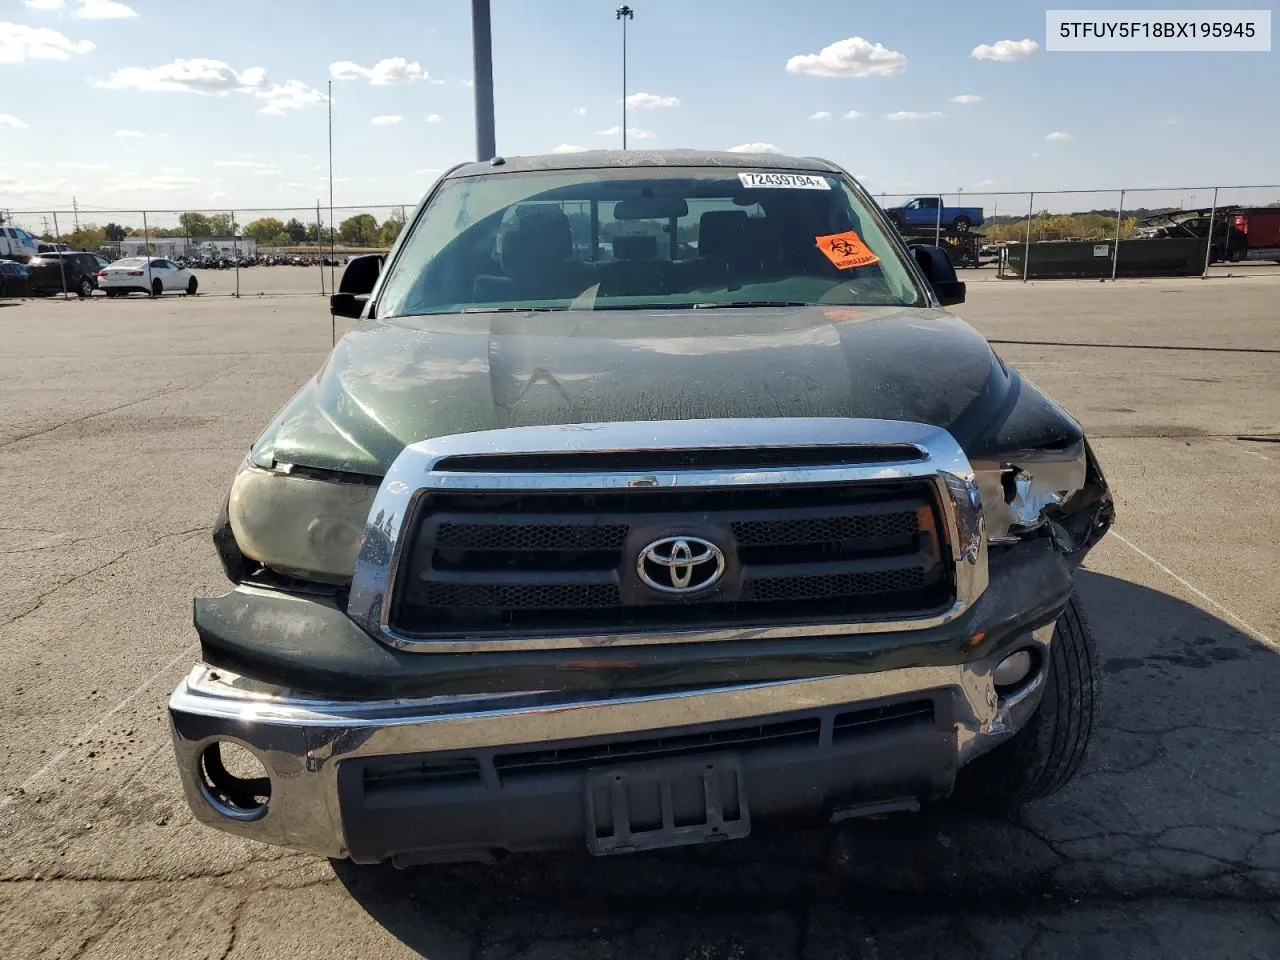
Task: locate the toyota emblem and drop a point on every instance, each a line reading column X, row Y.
column 680, row 565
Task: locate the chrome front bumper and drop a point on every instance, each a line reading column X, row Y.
column 301, row 741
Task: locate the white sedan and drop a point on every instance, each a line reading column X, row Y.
column 152, row 275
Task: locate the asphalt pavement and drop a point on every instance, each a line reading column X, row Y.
column 122, row 422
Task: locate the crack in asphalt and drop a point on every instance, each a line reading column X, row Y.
column 61, row 544
column 237, row 915
column 167, row 392
column 42, row 597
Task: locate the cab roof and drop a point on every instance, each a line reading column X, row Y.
column 616, row 159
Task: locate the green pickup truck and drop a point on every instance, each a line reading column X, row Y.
column 624, row 545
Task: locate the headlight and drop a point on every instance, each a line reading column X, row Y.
column 299, row 526
column 1018, row 490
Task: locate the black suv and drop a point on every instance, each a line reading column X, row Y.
column 80, row 269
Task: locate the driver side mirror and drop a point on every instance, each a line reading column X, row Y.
column 357, row 283
column 940, row 272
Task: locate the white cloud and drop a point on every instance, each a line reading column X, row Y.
column 651, row 101
column 244, row 164
column 19, row 43
column 635, row 133
column 428, row 172
column 34, row 188
column 44, row 4
column 208, row 77
column 77, row 165
column 1172, row 120
column 290, row 95
column 967, row 98
column 852, row 57
column 914, row 115
column 386, row 121
column 1058, row 135
column 1032, row 156
column 9, row 120
column 755, row 147
column 103, row 10
column 568, row 148
column 434, row 118
column 820, row 115
column 173, row 170
column 292, row 185
column 467, row 83
column 132, row 135
column 217, row 196
column 853, row 115
column 1005, row 50
column 985, row 183
column 384, row 73
column 267, row 172
column 579, row 111
column 161, row 183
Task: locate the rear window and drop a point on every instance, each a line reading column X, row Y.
column 130, row 262
column 645, row 239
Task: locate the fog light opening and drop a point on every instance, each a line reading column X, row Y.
column 234, row 782
column 1013, row 671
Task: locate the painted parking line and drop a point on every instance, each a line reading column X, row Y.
column 1244, row 625
column 189, row 652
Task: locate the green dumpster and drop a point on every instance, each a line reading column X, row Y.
column 1090, row 259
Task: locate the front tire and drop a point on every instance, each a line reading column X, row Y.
column 157, row 288
column 1046, row 753
column 962, row 224
column 192, row 287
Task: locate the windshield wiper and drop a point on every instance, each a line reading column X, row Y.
column 512, row 309
column 721, row 304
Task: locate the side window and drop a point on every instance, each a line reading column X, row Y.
column 929, row 203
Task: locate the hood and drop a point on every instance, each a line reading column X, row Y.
column 391, row 383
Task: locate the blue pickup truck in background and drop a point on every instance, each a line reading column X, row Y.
column 922, row 213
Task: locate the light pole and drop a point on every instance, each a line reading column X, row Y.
column 624, row 13
column 482, row 64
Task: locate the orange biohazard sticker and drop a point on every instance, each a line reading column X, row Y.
column 846, row 250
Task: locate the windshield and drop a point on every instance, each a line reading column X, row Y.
column 644, row 239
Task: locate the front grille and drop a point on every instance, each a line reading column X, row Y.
column 522, row 596
column 535, row 562
column 834, row 585
column 824, row 529
column 526, row 536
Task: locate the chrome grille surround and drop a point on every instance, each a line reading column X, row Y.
column 940, row 461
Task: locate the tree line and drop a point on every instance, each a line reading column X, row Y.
column 361, row 230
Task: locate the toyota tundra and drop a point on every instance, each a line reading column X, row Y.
column 653, row 498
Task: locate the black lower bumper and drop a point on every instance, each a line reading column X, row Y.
column 624, row 794
column 325, row 652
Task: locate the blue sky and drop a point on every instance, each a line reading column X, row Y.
column 124, row 123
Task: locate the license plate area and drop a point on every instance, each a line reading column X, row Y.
column 666, row 805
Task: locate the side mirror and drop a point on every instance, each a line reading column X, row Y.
column 357, row 283
column 940, row 272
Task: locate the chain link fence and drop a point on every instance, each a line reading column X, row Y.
column 301, row 250
column 998, row 229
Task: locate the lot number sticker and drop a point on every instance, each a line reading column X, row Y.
column 846, row 250
column 784, row 181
